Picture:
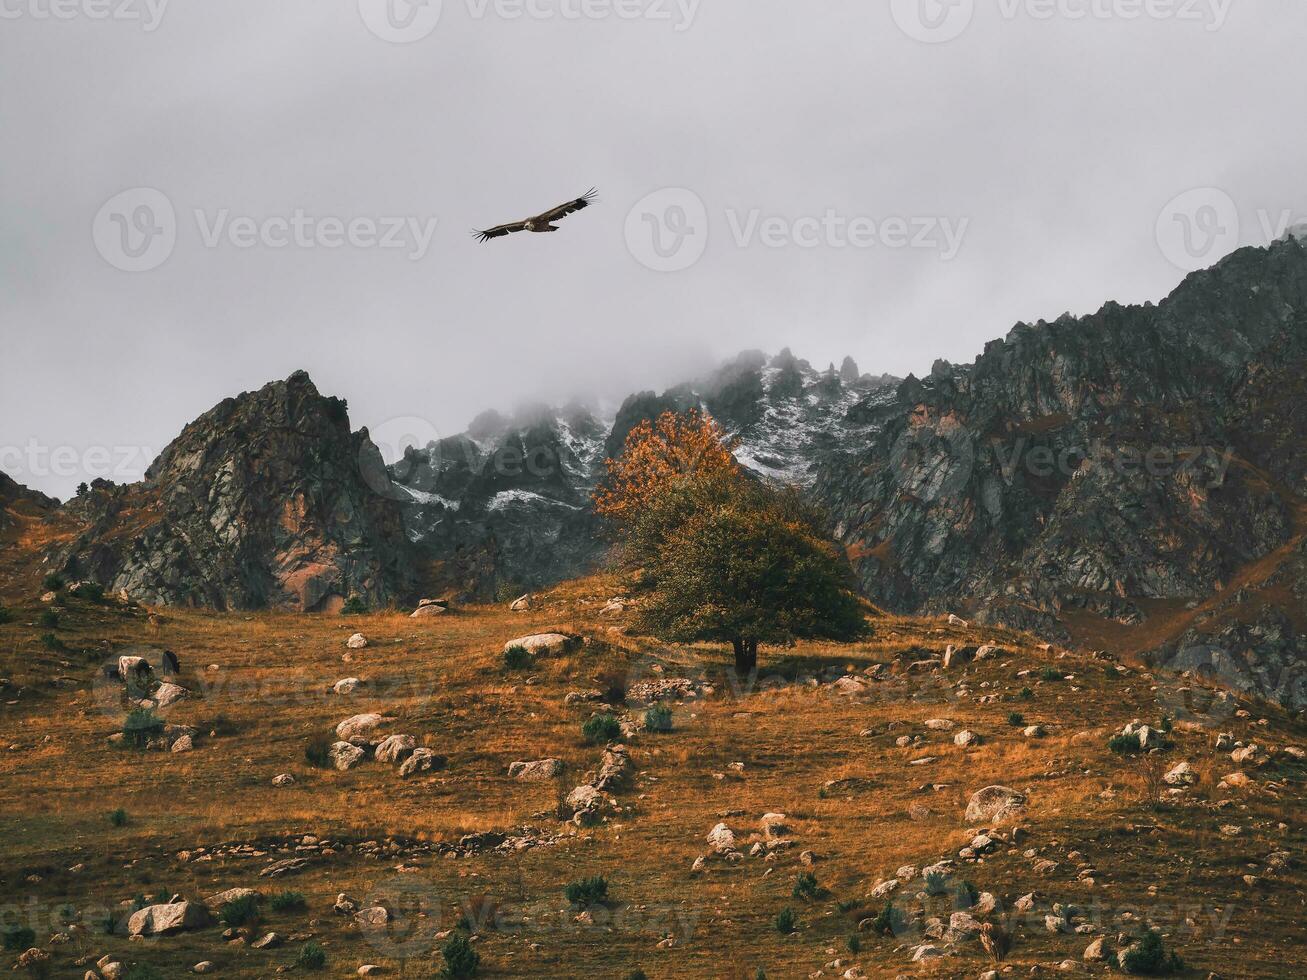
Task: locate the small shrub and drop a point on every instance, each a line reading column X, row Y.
column 91, row 592
column 1050, row 674
column 1113, row 671
column 287, row 902
column 637, row 975
column 936, row 883
column 109, row 924
column 1150, row 957
column 143, row 971
column 854, row 943
column 1166, row 725
column 886, row 921
column 355, row 605
column 241, row 912
column 311, row 957
column 1124, row 744
column 786, row 921
column 318, row 752
column 51, row 642
column 118, row 818
column 19, row 939
column 141, row 726
column 966, row 895
column 1016, row 719
column 805, row 886
column 461, row 960
column 53, row 583
column 588, row 891
column 658, row 719
column 5, row 616
column 601, row 729
column 49, row 618
column 517, row 658
column 1026, row 694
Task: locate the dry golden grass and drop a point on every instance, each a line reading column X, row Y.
column 848, row 796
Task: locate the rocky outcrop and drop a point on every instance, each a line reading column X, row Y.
column 268, row 499
column 1099, row 472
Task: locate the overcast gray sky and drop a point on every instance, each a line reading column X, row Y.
column 1034, row 150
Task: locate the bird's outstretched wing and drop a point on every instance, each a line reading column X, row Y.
column 500, row 231
column 571, row 207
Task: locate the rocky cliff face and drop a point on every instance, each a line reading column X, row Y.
column 268, row 499
column 505, row 507
column 1125, row 469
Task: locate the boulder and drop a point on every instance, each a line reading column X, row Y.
column 1182, row 774
column 184, row 744
column 539, row 771
column 168, row 694
column 994, row 804
column 161, row 920
column 346, row 685
column 361, row 729
column 283, row 779
column 214, row 903
column 721, row 839
column 357, row 642
column 582, row 798
column 422, row 760
column 615, row 769
column 542, row 644
column 966, row 738
column 345, row 755
column 432, row 608
column 520, row 604
column 396, row 748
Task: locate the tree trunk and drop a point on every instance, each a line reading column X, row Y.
column 746, row 655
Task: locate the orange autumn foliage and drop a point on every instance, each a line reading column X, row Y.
column 657, row 453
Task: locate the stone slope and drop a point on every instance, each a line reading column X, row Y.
column 268, row 499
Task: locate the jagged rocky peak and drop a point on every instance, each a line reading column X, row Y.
column 18, row 502
column 267, row 499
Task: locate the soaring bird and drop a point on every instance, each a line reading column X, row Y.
column 541, row 222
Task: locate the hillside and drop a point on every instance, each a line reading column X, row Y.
column 859, row 747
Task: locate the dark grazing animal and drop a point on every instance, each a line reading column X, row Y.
column 171, row 665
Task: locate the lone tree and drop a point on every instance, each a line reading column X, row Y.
column 721, row 557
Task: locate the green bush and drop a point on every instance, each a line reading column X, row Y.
column 91, row 592
column 241, row 911
column 141, row 726
column 786, row 921
column 5, row 616
column 461, row 960
column 318, row 752
column 854, row 943
column 1124, row 744
column 49, row 618
column 805, row 886
column 588, row 891
column 143, row 971
column 1150, row 957
column 887, row 920
column 637, row 975
column 53, row 583
column 517, row 658
column 51, row 642
column 287, row 902
column 19, row 939
column 658, row 719
column 936, row 883
column 1016, row 719
column 311, row 957
column 355, row 605
column 118, row 818
column 1026, row 694
column 601, row 729
column 1050, row 674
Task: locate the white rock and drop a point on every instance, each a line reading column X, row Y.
column 357, row 642
column 361, row 729
column 542, row 644
column 159, row 920
column 396, row 748
column 346, row 685
column 994, row 804
column 345, row 755
column 721, row 839
column 538, row 771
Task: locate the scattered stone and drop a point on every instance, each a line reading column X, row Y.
column 966, row 738
column 161, row 920
column 994, row 804
column 361, row 729
column 539, row 771
column 520, row 604
column 1181, row 775
column 721, row 839
column 422, row 760
column 543, row 644
column 357, row 642
column 347, row 685
column 283, row 779
column 396, row 749
column 344, row 756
